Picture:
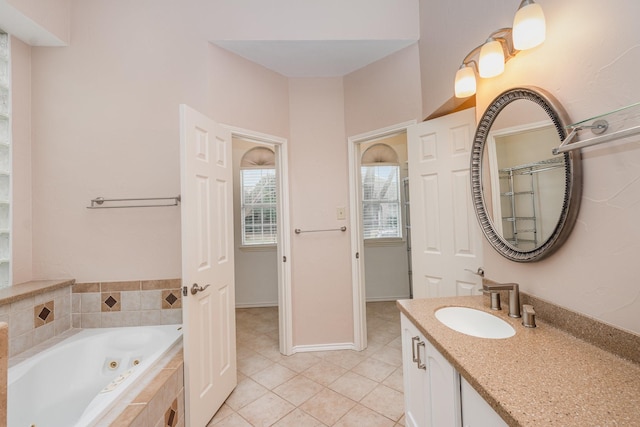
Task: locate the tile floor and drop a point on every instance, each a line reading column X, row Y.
column 330, row 388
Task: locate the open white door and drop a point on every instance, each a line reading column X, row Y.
column 208, row 304
column 445, row 235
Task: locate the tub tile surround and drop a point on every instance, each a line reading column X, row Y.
column 129, row 303
column 156, row 400
column 36, row 312
column 569, row 371
column 4, row 365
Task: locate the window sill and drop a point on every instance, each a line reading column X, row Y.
column 258, row 248
column 392, row 241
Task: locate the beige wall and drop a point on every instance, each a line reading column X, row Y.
column 321, row 267
column 589, row 64
column 105, row 123
column 384, row 93
column 22, row 232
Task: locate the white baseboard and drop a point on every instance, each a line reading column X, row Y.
column 257, row 305
column 383, row 299
column 323, row 347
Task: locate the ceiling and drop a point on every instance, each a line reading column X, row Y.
column 314, row 58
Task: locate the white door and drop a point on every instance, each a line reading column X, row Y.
column 207, row 264
column 445, row 235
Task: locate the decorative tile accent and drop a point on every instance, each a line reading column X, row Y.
column 43, row 313
column 171, row 299
column 171, row 416
column 126, row 303
column 111, row 301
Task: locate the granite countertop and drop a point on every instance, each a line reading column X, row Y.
column 541, row 376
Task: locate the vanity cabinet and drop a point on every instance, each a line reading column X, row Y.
column 476, row 412
column 431, row 384
column 434, row 393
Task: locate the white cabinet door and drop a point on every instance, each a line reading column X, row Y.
column 416, row 383
column 434, row 393
column 431, row 384
column 444, row 383
column 476, row 412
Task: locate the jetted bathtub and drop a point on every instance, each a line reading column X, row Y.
column 77, row 380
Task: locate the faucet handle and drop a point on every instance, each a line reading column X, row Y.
column 528, row 316
column 495, row 299
column 479, row 272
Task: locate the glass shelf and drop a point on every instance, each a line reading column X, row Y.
column 616, row 124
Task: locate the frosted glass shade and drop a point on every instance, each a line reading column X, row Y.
column 465, row 84
column 529, row 27
column 491, row 61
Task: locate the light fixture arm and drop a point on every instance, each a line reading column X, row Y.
column 504, row 36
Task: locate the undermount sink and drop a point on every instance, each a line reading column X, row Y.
column 474, row 322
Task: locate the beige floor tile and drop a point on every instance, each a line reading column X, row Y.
column 266, row 410
column 353, row 386
column 327, row 406
column 361, row 416
column 324, row 372
column 253, row 364
column 344, row 358
column 273, row 376
column 223, row 412
column 395, row 380
column 246, row 392
column 298, row 389
column 298, row 418
column 233, row 420
column 390, row 355
column 374, row 369
column 385, row 401
column 299, row 361
column 315, row 389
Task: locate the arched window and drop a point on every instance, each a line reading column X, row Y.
column 381, row 210
column 258, row 197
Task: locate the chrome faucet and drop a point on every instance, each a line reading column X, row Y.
column 493, row 288
column 514, row 294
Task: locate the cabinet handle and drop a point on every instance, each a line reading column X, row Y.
column 421, row 364
column 413, row 348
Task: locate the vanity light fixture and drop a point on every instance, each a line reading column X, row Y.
column 491, row 62
column 502, row 45
column 529, row 26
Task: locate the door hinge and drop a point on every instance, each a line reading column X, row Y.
column 284, row 259
column 357, row 255
column 184, row 291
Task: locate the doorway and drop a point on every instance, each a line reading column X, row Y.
column 261, row 222
column 381, row 271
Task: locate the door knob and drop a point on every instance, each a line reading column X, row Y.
column 196, row 288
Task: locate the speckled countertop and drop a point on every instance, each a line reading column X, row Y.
column 539, row 377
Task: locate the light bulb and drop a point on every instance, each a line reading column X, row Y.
column 465, row 83
column 529, row 27
column 491, row 61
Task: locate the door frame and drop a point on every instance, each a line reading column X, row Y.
column 355, row 222
column 285, row 310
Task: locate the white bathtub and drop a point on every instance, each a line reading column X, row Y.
column 76, row 381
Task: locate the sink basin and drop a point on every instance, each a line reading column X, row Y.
column 474, row 322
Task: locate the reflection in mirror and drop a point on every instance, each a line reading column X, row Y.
column 528, row 188
column 527, row 193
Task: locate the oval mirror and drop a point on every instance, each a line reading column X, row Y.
column 526, row 199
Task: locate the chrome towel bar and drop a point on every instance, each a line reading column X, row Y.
column 298, row 231
column 98, row 202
